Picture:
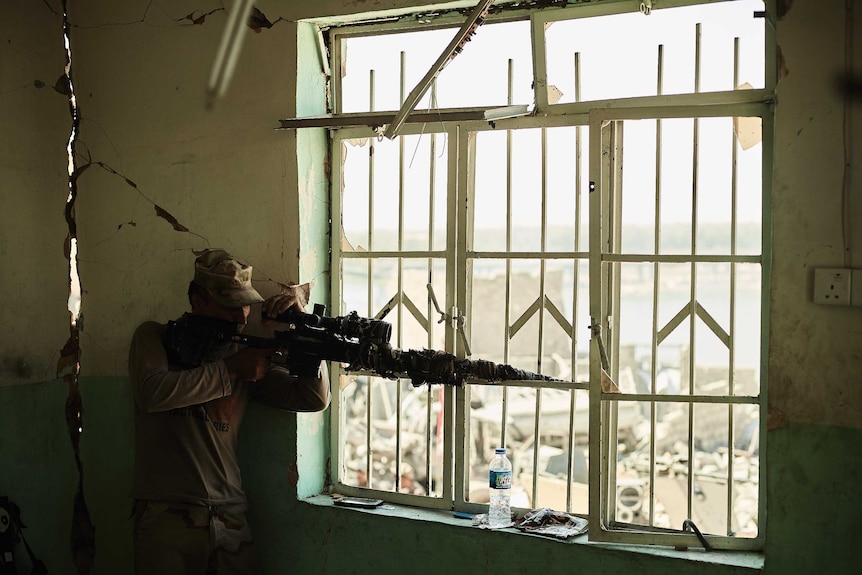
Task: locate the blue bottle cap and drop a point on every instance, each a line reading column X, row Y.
column 500, row 450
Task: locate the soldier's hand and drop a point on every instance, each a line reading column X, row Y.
column 280, row 303
column 249, row 364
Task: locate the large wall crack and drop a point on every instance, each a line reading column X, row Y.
column 160, row 211
column 69, row 365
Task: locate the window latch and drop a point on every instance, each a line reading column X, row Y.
column 596, row 333
column 455, row 319
column 607, row 382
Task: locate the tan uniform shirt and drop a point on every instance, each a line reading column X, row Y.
column 187, row 420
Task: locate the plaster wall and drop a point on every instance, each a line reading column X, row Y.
column 815, row 351
column 34, row 183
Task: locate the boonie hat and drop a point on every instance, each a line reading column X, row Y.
column 227, row 280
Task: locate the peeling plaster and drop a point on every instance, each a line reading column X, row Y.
column 311, row 422
column 198, row 20
column 258, row 21
column 61, row 86
column 293, row 475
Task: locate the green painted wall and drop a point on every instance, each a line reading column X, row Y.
column 814, row 473
column 37, row 469
column 314, row 239
column 814, row 500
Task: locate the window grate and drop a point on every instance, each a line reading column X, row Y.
column 641, row 216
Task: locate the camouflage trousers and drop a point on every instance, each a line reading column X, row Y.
column 186, row 539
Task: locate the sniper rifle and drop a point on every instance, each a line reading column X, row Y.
column 359, row 342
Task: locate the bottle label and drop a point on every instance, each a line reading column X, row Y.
column 501, row 479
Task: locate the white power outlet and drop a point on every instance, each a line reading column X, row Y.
column 832, row 286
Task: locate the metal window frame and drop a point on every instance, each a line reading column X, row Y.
column 541, row 19
column 602, row 263
column 461, row 146
column 453, row 20
column 337, row 373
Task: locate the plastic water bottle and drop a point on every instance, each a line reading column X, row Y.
column 500, row 513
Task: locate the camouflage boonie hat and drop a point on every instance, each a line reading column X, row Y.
column 227, row 280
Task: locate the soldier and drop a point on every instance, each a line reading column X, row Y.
column 190, row 397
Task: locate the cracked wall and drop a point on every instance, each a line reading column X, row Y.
column 167, row 175
column 156, row 175
column 39, row 340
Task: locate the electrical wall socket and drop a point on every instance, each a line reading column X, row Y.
column 832, row 286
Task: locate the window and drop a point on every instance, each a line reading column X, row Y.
column 616, row 238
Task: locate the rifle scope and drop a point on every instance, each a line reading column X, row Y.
column 351, row 326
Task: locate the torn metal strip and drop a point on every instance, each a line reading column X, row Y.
column 453, row 49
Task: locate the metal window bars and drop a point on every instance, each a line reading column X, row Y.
column 453, row 437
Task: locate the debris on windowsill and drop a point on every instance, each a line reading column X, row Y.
column 551, row 523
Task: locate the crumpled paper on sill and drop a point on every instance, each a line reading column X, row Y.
column 551, row 523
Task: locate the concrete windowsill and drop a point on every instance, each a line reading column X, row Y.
column 744, row 559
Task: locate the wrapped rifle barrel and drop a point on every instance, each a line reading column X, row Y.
column 363, row 345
